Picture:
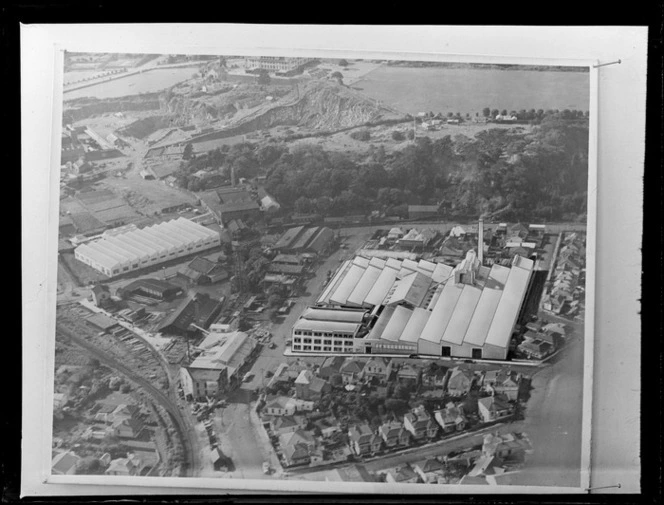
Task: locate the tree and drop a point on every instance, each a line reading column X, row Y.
column 275, row 300
column 398, row 135
column 486, row 111
column 338, row 76
column 503, row 112
column 494, row 113
column 410, row 135
column 343, row 63
column 263, row 77
column 187, row 153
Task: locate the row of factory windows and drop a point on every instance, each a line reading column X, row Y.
column 325, row 348
column 318, row 341
column 309, row 333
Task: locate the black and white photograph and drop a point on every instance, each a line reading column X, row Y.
column 295, row 270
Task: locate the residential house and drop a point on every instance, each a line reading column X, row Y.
column 64, row 463
column 331, row 368
column 378, row 368
column 409, row 375
column 435, row 377
column 502, row 382
column 459, row 381
column 128, row 427
column 310, row 387
column 394, row 434
column 124, row 467
column 509, row 446
column 352, row 371
column 493, row 408
column 279, row 406
column 287, row 424
column 429, row 470
column 419, row 423
column 297, row 447
column 451, row 418
column 328, row 426
column 363, row 440
column 535, row 347
column 402, row 475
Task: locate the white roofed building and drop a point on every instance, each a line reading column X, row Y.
column 134, row 249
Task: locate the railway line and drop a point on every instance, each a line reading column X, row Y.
column 73, row 330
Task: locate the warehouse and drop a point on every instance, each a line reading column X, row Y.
column 418, row 308
column 136, row 249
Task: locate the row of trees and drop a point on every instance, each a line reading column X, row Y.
column 532, row 114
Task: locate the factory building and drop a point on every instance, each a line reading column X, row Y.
column 412, row 307
column 136, row 249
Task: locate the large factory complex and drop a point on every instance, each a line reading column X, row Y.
column 390, row 306
column 121, row 250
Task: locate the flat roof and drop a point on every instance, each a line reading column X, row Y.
column 508, row 308
column 482, row 317
column 441, row 313
column 329, row 326
column 288, row 237
column 339, row 315
column 463, row 312
column 416, row 323
column 397, row 323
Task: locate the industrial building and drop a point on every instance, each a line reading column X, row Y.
column 136, row 249
column 407, row 307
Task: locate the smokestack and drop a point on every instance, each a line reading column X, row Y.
column 480, row 242
column 232, row 176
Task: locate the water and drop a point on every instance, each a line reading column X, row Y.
column 413, row 90
column 146, row 82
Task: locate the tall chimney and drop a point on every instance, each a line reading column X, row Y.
column 480, row 242
column 232, row 176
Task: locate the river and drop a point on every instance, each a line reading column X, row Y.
column 413, row 90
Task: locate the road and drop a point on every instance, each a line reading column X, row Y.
column 554, row 422
column 183, row 424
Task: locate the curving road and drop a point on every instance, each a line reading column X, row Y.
column 182, row 424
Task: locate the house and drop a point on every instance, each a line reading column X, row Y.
column 408, row 374
column 127, row 427
column 363, row 440
column 331, row 368
column 123, row 467
column 429, row 470
column 309, row 387
column 394, row 434
column 451, row 418
column 395, row 233
column 352, row 371
column 435, row 377
column 287, row 424
column 459, row 381
column 402, row 475
column 419, row 423
column 502, row 382
column 297, row 447
column 101, row 295
column 508, row 446
column 279, row 406
column 219, row 461
column 198, row 309
column 536, row 348
column 64, row 463
column 203, row 271
column 379, row 369
column 493, row 408
column 486, row 465
column 328, row 426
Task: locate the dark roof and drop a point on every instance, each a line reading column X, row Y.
column 201, row 265
column 320, row 239
column 288, row 238
column 196, row 308
column 286, row 269
column 99, row 289
column 151, row 284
